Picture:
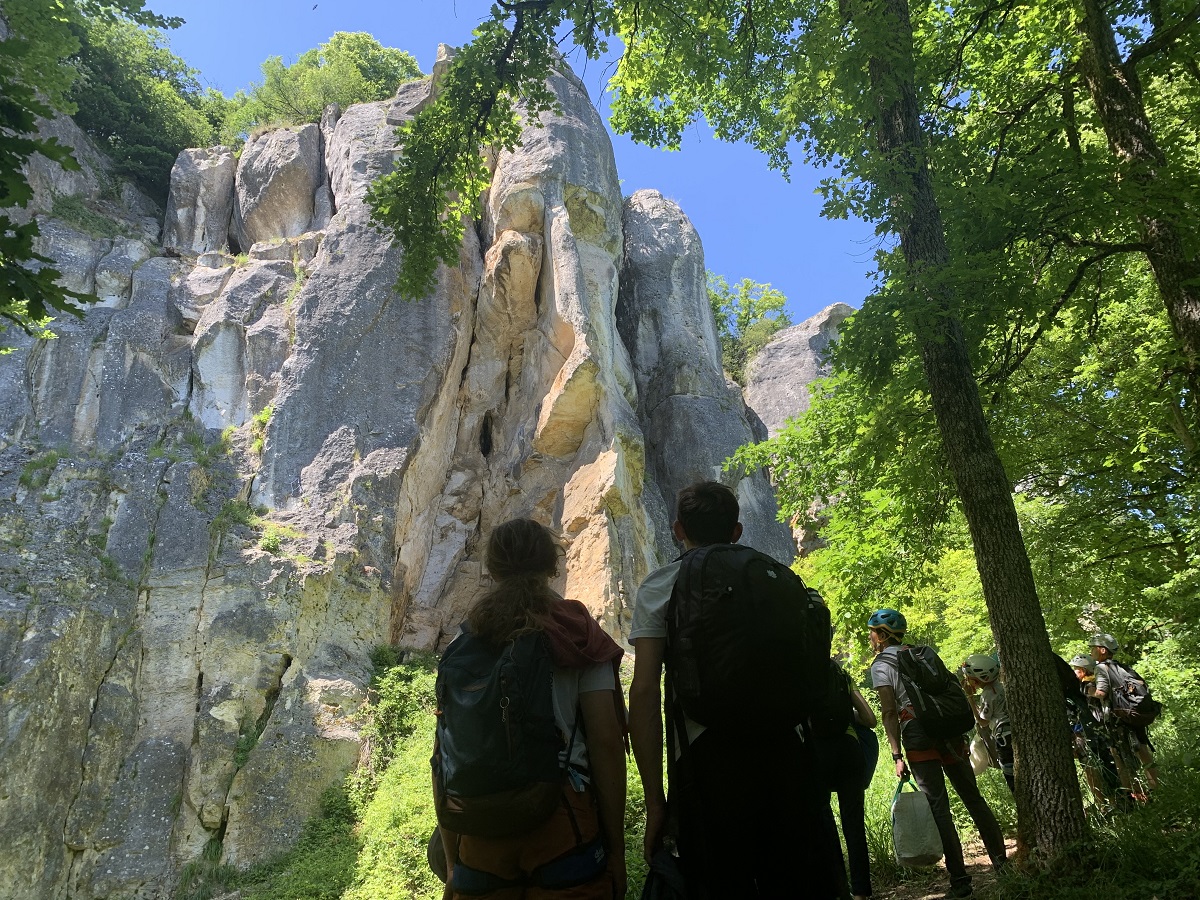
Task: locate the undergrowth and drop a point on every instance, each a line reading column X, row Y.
column 369, row 840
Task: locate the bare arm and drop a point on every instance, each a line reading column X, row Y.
column 866, row 715
column 891, row 725
column 646, row 734
column 606, row 756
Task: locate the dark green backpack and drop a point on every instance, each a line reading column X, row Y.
column 939, row 704
column 1131, row 701
column 497, row 769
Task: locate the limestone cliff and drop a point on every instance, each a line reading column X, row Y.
column 778, row 376
column 251, row 464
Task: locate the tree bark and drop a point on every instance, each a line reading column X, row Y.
column 1116, row 91
column 1049, row 806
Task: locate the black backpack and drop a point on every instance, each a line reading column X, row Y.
column 939, row 703
column 833, row 710
column 747, row 645
column 496, row 762
column 1130, row 698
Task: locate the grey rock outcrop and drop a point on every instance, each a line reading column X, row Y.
column 693, row 419
column 778, row 376
column 201, row 203
column 231, row 481
column 277, row 178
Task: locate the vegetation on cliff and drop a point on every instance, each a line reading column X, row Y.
column 351, row 67
column 747, row 314
column 109, row 66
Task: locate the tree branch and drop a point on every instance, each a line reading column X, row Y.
column 1162, row 39
column 1007, row 370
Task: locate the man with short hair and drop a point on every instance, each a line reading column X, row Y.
column 930, row 761
column 750, row 824
column 1111, row 677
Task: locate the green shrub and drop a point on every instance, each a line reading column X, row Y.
column 402, row 702
column 36, row 473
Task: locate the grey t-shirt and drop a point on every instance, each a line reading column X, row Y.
column 567, row 686
column 650, row 608
column 885, row 672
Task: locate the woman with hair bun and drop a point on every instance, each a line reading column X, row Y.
column 530, row 680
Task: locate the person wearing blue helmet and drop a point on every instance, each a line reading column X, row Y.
column 930, row 762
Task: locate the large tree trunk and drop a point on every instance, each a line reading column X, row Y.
column 1049, row 806
column 1117, row 94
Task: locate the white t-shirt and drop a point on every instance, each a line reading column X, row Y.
column 568, row 685
column 650, row 621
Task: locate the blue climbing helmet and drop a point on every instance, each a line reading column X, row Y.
column 888, row 620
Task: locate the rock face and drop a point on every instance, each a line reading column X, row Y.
column 277, row 178
column 201, row 202
column 778, row 376
column 230, row 481
column 693, row 418
column 778, row 380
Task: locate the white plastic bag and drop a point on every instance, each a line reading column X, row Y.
column 914, row 832
column 980, row 759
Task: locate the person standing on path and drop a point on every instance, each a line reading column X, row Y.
column 931, row 762
column 748, row 818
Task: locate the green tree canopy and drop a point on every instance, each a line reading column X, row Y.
column 29, row 291
column 351, row 67
column 747, row 315
column 35, row 78
column 141, row 102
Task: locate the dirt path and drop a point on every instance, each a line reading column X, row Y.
column 935, row 886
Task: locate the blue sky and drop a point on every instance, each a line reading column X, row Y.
column 753, row 223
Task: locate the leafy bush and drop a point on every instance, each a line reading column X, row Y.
column 747, row 316
column 351, row 67
column 140, row 101
column 402, row 702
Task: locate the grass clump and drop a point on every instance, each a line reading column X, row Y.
column 297, row 284
column 206, row 454
column 232, row 514
column 72, row 210
column 36, row 473
column 258, row 429
column 205, row 877
column 274, row 534
column 246, row 743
